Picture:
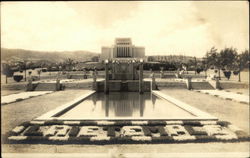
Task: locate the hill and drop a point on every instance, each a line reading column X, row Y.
column 55, row 56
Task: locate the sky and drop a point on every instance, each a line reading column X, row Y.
column 162, row 27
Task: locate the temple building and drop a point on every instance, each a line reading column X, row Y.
column 123, row 48
column 123, row 68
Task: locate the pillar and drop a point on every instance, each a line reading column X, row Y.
column 94, row 87
column 29, row 85
column 85, row 74
column 141, row 77
column 188, row 82
column 162, row 73
column 58, row 87
column 217, row 83
column 153, row 85
column 106, row 82
column 133, row 69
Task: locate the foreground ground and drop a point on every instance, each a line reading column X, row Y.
column 26, row 110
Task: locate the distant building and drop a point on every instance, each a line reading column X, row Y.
column 123, row 48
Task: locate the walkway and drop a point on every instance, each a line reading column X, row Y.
column 21, row 96
column 227, row 95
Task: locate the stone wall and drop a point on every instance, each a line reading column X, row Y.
column 130, row 86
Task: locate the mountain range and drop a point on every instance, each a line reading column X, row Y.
column 53, row 56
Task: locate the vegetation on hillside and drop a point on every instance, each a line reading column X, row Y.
column 226, row 60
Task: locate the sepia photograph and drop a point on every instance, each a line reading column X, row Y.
column 125, row 79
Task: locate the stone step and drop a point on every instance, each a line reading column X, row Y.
column 201, row 85
column 45, row 87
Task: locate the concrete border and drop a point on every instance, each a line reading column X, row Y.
column 225, row 98
column 200, row 114
column 24, row 98
column 64, row 107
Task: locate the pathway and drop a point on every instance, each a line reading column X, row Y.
column 227, row 95
column 21, row 96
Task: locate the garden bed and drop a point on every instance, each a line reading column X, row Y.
column 125, row 132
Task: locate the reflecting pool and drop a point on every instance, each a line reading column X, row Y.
column 118, row 105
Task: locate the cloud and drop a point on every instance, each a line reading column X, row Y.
column 172, row 27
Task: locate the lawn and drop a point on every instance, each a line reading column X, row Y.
column 226, row 110
column 16, row 113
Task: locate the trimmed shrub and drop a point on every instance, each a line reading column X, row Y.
column 53, row 122
column 162, row 139
column 227, row 74
column 156, row 122
column 88, row 123
column 235, row 72
column 74, row 131
column 25, row 124
column 33, row 131
column 204, row 139
column 123, row 123
column 153, row 129
column 193, row 123
column 191, row 131
column 18, row 78
column 111, row 131
column 223, row 123
column 162, row 131
column 146, row 130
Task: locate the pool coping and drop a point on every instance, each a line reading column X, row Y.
column 64, row 107
column 185, row 106
column 199, row 115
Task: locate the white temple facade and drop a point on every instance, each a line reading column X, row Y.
column 123, row 48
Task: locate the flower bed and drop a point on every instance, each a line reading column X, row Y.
column 123, row 132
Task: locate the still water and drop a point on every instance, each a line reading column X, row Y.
column 117, row 105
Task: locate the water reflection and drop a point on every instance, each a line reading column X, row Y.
column 125, row 105
column 119, row 104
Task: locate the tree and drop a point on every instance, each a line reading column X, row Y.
column 69, row 63
column 213, row 59
column 23, row 65
column 39, row 73
column 204, row 65
column 7, row 71
column 241, row 62
column 95, row 58
column 227, row 58
column 150, row 58
column 192, row 64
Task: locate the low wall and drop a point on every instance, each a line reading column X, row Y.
column 233, row 85
column 130, row 86
column 75, row 85
column 174, row 85
column 18, row 86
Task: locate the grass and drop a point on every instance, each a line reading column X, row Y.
column 226, row 110
column 15, row 113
